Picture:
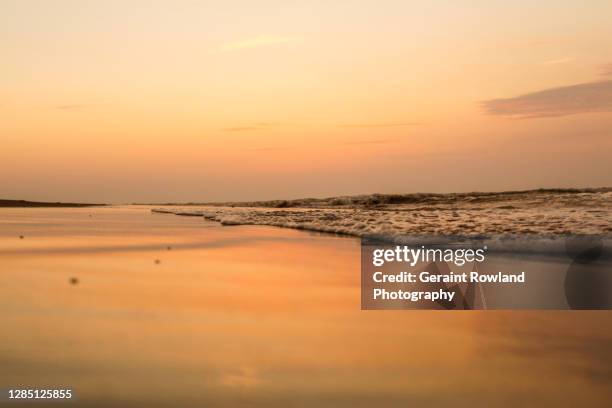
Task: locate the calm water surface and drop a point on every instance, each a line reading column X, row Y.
column 176, row 311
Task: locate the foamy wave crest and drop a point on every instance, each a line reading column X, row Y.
column 541, row 218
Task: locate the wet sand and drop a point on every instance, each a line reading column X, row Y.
column 259, row 316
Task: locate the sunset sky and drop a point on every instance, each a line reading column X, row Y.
column 156, row 101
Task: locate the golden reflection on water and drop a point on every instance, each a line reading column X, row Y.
column 259, row 316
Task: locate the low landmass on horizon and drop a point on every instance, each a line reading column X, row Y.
column 24, row 203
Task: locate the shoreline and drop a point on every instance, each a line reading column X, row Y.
column 501, row 242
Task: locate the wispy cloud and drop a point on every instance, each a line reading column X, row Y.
column 606, row 70
column 240, row 128
column 379, row 125
column 266, row 149
column 371, row 142
column 556, row 61
column 533, row 42
column 258, row 41
column 561, row 101
column 77, row 105
column 247, row 128
column 72, row 107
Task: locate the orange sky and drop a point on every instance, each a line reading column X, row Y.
column 122, row 101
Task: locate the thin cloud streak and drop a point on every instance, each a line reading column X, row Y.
column 266, row 149
column 589, row 97
column 371, row 142
column 248, row 128
column 557, row 61
column 72, row 107
column 380, row 125
column 80, row 105
column 259, row 41
column 241, row 129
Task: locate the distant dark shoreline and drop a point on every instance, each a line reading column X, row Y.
column 23, row 203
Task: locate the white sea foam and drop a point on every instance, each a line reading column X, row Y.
column 541, row 214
